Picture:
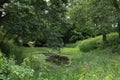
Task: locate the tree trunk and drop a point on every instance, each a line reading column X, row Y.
column 104, row 37
column 119, row 28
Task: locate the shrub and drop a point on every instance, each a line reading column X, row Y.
column 116, row 49
column 17, row 52
column 9, row 49
column 36, row 62
column 113, row 40
column 90, row 44
column 39, row 64
column 10, row 71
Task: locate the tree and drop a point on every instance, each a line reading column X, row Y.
column 30, row 20
column 80, row 20
column 115, row 4
column 33, row 19
column 101, row 14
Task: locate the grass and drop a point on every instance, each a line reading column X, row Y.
column 95, row 64
column 95, row 43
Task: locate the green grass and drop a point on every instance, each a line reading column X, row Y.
column 95, row 43
column 95, row 64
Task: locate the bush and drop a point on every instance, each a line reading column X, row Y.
column 17, row 52
column 10, row 71
column 37, row 62
column 9, row 49
column 90, row 44
column 113, row 40
column 116, row 49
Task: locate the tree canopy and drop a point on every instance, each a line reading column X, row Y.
column 34, row 19
column 101, row 17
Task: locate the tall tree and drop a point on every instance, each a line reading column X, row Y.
column 79, row 18
column 101, row 12
column 31, row 19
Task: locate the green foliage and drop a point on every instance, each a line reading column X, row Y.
column 11, row 50
column 102, row 18
column 31, row 20
column 17, row 53
column 10, row 71
column 91, row 44
column 102, row 15
column 81, row 33
column 36, row 62
column 113, row 39
column 79, row 18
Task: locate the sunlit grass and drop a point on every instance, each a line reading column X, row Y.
column 97, row 42
column 94, row 65
column 98, row 64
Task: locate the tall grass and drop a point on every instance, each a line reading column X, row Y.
column 94, row 65
column 95, row 61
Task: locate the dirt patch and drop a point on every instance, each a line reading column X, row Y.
column 57, row 59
